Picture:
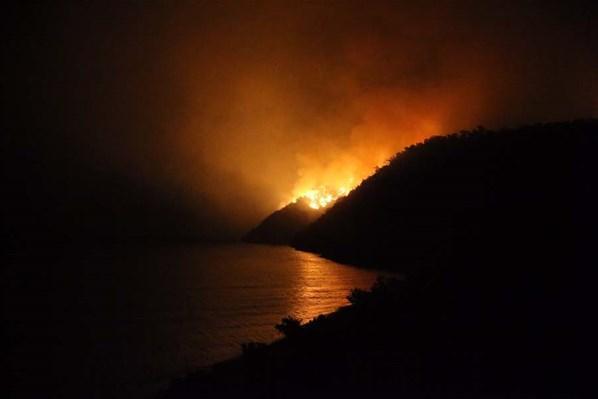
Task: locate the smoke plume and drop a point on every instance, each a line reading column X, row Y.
column 239, row 107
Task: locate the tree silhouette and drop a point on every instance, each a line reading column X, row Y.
column 289, row 326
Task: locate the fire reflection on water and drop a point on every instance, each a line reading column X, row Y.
column 322, row 286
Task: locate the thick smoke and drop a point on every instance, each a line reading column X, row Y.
column 322, row 94
column 247, row 104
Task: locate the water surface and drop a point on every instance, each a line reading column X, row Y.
column 122, row 323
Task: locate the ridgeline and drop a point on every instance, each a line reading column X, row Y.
column 477, row 193
column 283, row 225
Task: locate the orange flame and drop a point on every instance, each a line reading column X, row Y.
column 322, row 196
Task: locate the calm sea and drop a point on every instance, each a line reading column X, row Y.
column 122, row 323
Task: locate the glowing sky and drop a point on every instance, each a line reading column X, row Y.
column 238, row 107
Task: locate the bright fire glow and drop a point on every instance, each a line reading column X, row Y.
column 323, row 193
column 333, row 173
column 319, row 196
column 322, row 196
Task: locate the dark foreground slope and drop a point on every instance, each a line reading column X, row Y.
column 505, row 307
column 280, row 227
column 452, row 337
column 484, row 190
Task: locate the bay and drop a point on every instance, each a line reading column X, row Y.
column 124, row 322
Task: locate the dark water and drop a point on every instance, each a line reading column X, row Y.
column 123, row 323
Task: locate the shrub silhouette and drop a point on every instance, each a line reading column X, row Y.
column 357, row 296
column 249, row 349
column 289, row 326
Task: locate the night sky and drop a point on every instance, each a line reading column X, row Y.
column 157, row 120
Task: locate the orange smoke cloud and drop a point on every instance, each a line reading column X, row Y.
column 234, row 107
column 292, row 102
column 250, row 105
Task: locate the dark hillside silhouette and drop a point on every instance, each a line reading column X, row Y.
column 280, row 227
column 496, row 232
column 489, row 192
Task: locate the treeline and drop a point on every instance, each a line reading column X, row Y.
column 477, row 194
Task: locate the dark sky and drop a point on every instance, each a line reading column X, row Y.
column 150, row 118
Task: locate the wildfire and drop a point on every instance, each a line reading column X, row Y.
column 319, row 196
column 320, row 186
column 322, row 196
